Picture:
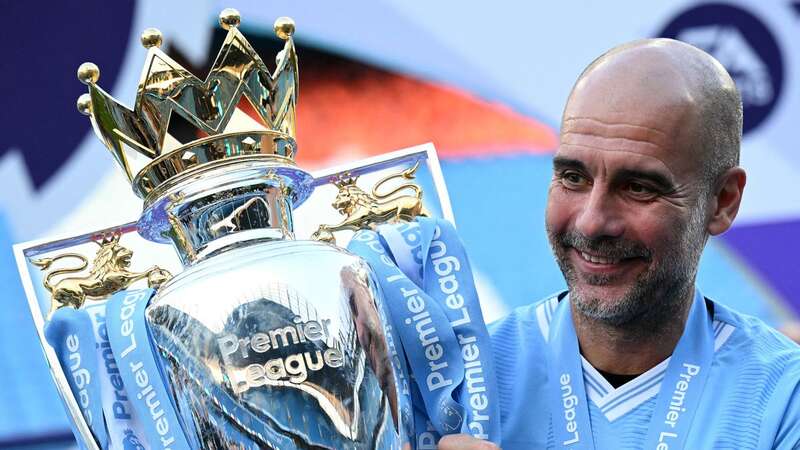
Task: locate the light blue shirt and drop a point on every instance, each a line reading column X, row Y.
column 751, row 399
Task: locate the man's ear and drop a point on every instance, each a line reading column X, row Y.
column 726, row 200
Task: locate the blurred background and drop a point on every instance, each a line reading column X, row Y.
column 484, row 81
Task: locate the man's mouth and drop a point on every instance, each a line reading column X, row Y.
column 598, row 259
column 607, row 258
column 606, row 264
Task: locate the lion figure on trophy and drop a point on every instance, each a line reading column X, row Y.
column 109, row 274
column 363, row 210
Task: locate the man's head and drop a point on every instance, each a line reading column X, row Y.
column 646, row 170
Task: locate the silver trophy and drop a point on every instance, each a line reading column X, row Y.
column 264, row 340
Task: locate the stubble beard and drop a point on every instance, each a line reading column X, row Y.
column 662, row 292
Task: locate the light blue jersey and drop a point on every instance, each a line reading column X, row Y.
column 750, row 400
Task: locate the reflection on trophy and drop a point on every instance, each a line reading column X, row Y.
column 263, row 341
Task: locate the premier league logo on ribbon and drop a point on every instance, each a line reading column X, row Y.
column 252, row 337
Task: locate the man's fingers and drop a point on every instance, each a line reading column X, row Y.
column 465, row 442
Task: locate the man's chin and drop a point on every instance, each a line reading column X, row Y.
column 607, row 297
column 603, row 287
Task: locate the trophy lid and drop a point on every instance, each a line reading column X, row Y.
column 139, row 139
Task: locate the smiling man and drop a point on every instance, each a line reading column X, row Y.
column 633, row 356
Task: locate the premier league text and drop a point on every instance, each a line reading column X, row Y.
column 144, row 379
column 570, row 403
column 80, row 376
column 665, row 438
column 445, row 266
column 294, row 367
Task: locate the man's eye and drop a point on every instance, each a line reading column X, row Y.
column 641, row 191
column 573, row 180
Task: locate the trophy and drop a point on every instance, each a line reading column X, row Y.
column 261, row 340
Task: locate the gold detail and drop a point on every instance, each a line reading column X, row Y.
column 152, row 180
column 286, row 192
column 363, row 210
column 84, row 104
column 284, row 27
column 229, row 18
column 237, row 76
column 181, row 238
column 88, row 73
column 108, row 275
column 151, row 37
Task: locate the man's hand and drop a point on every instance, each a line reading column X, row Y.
column 465, row 442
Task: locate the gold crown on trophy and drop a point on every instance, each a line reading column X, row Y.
column 140, row 140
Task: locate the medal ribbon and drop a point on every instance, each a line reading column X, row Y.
column 436, row 316
column 678, row 397
column 684, row 381
column 69, row 332
column 120, row 419
column 136, row 359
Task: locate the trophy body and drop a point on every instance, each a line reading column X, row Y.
column 266, row 341
column 276, row 344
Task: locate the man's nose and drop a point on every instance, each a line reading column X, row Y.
column 600, row 216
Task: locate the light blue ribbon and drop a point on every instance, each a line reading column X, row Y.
column 436, row 317
column 569, row 408
column 678, row 397
column 684, row 381
column 69, row 332
column 121, row 423
column 136, row 359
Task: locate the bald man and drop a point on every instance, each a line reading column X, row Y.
column 633, row 356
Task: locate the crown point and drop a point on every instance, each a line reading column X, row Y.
column 151, row 37
column 85, row 104
column 88, row 73
column 229, row 18
column 284, row 27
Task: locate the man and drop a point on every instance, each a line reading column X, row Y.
column 633, row 356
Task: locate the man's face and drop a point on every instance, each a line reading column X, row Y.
column 626, row 207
